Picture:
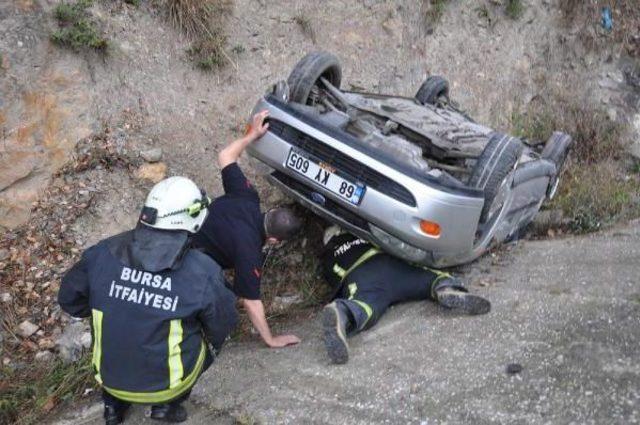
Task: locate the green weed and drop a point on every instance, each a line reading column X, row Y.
column 245, row 419
column 238, row 49
column 77, row 29
column 434, row 10
column 81, row 34
column 68, row 13
column 514, row 9
column 532, row 126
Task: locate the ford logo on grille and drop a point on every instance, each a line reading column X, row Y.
column 318, row 198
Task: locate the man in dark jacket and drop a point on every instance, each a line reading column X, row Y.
column 154, row 304
column 236, row 230
column 367, row 281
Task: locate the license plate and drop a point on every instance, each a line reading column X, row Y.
column 325, row 176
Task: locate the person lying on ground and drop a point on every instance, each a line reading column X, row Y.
column 236, row 230
column 154, row 304
column 367, row 281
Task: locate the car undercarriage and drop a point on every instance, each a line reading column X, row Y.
column 416, row 176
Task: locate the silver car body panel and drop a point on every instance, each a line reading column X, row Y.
column 394, row 225
column 456, row 214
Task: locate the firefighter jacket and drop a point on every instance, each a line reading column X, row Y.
column 154, row 303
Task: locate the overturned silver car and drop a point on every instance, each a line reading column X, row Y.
column 415, row 176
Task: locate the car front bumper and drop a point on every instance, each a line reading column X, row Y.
column 387, row 221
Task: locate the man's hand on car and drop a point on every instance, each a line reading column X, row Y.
column 233, row 150
column 257, row 128
column 280, row 341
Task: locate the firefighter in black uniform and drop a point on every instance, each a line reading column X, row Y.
column 367, row 281
column 236, row 230
column 155, row 304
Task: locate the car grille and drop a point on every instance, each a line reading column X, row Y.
column 358, row 171
column 327, row 204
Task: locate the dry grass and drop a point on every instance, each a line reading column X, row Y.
column 209, row 53
column 599, row 186
column 205, row 22
column 305, row 26
column 596, row 137
column 198, row 18
column 24, row 400
column 598, row 195
column 39, row 254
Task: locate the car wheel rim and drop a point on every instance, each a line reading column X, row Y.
column 554, row 188
column 499, row 201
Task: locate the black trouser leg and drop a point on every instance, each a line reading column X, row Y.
column 119, row 405
column 381, row 282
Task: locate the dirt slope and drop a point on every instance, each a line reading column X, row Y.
column 52, row 97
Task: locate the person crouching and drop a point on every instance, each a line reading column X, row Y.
column 155, row 305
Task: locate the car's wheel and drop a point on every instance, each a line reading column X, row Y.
column 493, row 172
column 307, row 72
column 556, row 150
column 433, row 88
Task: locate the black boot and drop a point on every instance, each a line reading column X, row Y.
column 452, row 295
column 113, row 416
column 334, row 322
column 169, row 413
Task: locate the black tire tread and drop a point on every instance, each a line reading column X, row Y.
column 306, row 72
column 432, row 89
column 492, row 167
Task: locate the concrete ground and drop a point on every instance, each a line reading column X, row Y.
column 566, row 310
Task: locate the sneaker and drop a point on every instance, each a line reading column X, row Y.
column 169, row 413
column 113, row 416
column 334, row 323
column 462, row 302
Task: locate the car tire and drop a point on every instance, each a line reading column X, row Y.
column 433, row 88
column 493, row 168
column 305, row 74
column 556, row 150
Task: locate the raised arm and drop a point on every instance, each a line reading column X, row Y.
column 230, row 153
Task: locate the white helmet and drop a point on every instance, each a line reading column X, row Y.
column 330, row 232
column 175, row 203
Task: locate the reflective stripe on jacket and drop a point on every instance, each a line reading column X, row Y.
column 148, row 327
